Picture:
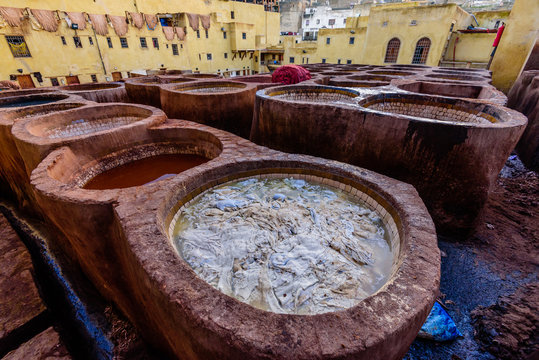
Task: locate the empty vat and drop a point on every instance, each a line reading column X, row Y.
column 226, row 105
column 99, row 92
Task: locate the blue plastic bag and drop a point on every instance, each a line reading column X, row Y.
column 439, row 326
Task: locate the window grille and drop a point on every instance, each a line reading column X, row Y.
column 175, row 49
column 143, row 42
column 18, row 46
column 392, row 51
column 123, row 42
column 78, row 43
column 421, row 51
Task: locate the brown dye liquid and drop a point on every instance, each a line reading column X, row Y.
column 144, row 171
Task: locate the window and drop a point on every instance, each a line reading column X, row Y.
column 226, row 55
column 331, row 22
column 338, row 61
column 63, row 40
column 208, row 56
column 54, row 82
column 199, row 57
column 94, row 78
column 352, row 40
column 77, row 42
column 224, row 34
column 317, row 21
column 143, row 43
column 344, row 21
column 256, row 59
column 90, row 40
column 18, row 46
column 155, row 42
column 413, row 23
column 109, row 42
column 198, row 34
column 384, row 24
column 328, row 41
column 323, row 61
column 175, row 49
column 392, row 51
column 244, row 36
column 291, row 60
column 306, row 22
column 206, row 31
column 348, row 62
column 232, row 15
column 421, row 51
column 123, row 42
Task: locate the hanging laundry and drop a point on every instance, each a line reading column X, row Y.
column 119, row 24
column 99, row 23
column 169, row 32
column 138, row 19
column 180, row 32
column 205, row 20
column 151, row 21
column 12, row 15
column 77, row 18
column 46, row 18
column 193, row 21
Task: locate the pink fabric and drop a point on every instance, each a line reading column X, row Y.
column 290, row 74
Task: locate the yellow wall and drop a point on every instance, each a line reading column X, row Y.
column 488, row 19
column 471, row 47
column 372, row 35
column 519, row 37
column 52, row 59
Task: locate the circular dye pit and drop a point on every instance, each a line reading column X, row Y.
column 285, row 245
column 90, row 87
column 211, row 88
column 202, row 76
column 355, row 83
column 391, row 73
column 371, row 78
column 144, row 171
column 463, row 77
column 27, row 112
column 314, row 94
column 11, row 93
column 427, row 108
column 30, row 100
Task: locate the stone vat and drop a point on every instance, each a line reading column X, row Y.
column 9, row 93
column 524, row 97
column 467, row 91
column 450, row 149
column 226, row 105
column 99, row 92
column 184, row 316
column 146, row 90
column 32, row 99
column 371, row 77
column 14, row 180
column 200, row 76
column 88, row 126
column 261, row 81
column 391, row 72
column 458, row 77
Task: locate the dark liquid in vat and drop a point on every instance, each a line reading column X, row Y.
column 144, row 171
column 20, row 103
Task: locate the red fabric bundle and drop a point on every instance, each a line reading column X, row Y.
column 290, row 74
column 498, row 36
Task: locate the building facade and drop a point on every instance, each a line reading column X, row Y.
column 42, row 45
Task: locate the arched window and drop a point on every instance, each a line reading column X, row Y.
column 392, row 51
column 421, row 51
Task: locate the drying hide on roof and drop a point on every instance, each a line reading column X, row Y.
column 206, row 21
column 193, row 21
column 77, row 18
column 12, row 15
column 169, row 32
column 151, row 21
column 99, row 23
column 180, row 32
column 119, row 24
column 138, row 19
column 46, row 18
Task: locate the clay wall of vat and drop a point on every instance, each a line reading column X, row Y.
column 99, row 92
column 231, row 110
column 451, row 165
column 524, row 97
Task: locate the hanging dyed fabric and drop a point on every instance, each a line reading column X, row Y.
column 12, row 15
column 205, row 20
column 151, row 21
column 77, row 18
column 99, row 23
column 169, row 32
column 193, row 21
column 180, row 32
column 46, row 18
column 119, row 24
column 138, row 19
